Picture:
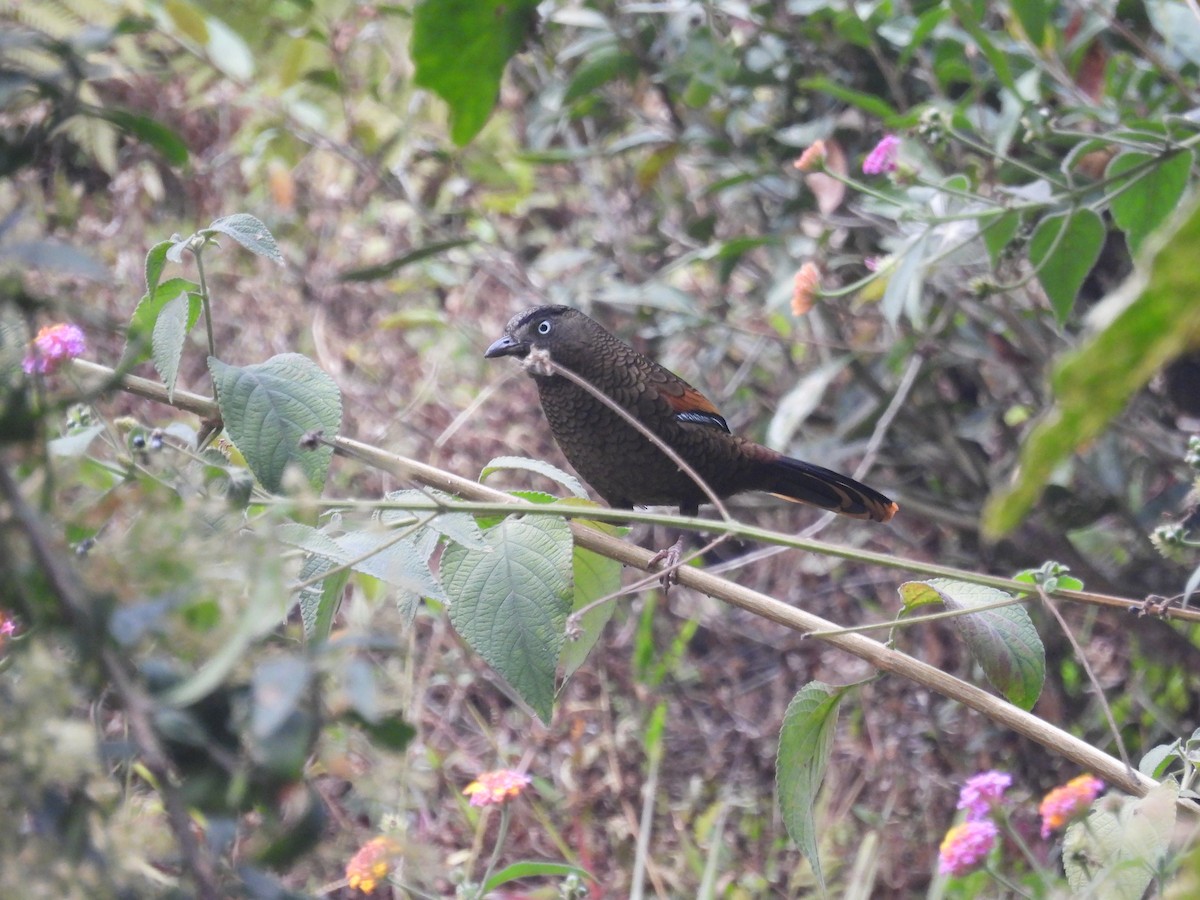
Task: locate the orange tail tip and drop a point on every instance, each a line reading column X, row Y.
column 801, row 482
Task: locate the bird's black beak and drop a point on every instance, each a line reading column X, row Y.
column 506, row 346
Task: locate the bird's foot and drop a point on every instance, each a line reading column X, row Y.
column 670, row 559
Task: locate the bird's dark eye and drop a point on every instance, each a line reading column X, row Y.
column 544, row 326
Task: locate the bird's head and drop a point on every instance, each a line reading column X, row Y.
column 559, row 330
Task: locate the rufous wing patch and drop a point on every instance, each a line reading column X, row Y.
column 692, row 406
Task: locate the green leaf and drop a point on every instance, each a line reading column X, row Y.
column 380, row 554
column 869, row 103
column 1176, row 24
column 1158, row 759
column 399, row 563
column 730, row 253
column 1147, row 200
column 319, row 601
column 1063, row 249
column 391, row 732
column 532, row 869
column 1138, row 329
column 250, row 232
column 1032, row 14
column 807, row 734
column 264, row 608
column 594, row 576
column 76, row 444
column 171, row 329
column 1114, row 855
column 156, row 261
column 152, row 132
column 460, row 49
column 510, row 604
column 905, row 282
column 394, row 265
column 457, row 526
column 654, row 733
column 606, row 64
column 570, row 482
column 965, row 11
column 915, row 594
column 998, row 233
column 267, row 409
column 139, row 334
column 1003, row 641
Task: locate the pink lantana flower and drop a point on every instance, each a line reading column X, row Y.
column 883, row 157
column 494, row 788
column 1067, row 801
column 371, row 864
column 54, row 345
column 982, row 792
column 965, row 846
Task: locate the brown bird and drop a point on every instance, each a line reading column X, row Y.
column 623, row 465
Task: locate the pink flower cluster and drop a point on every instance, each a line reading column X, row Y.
column 967, row 844
column 883, row 157
column 982, row 792
column 54, row 345
column 496, row 787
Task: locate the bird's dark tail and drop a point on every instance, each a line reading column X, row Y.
column 801, row 482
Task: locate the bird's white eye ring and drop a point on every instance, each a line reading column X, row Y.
column 544, row 326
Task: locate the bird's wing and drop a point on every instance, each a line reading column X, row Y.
column 688, row 404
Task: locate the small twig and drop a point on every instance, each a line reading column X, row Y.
column 668, row 451
column 1087, row 667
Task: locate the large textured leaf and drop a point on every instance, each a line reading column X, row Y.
column 398, row 562
column 1150, row 320
column 460, row 49
column 139, row 334
column 804, row 741
column 1149, row 198
column 1003, row 641
column 380, row 553
column 267, row 408
column 1113, row 855
column 171, row 329
column 318, row 602
column 251, row 233
column 460, row 527
column 510, row 604
column 1063, row 249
